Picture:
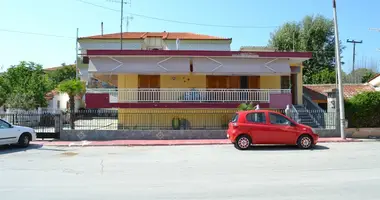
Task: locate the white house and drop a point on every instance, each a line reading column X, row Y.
column 375, row 82
column 60, row 101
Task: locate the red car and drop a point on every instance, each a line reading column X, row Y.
column 268, row 127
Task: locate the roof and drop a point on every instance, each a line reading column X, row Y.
column 50, row 95
column 59, row 67
column 164, row 35
column 378, row 75
column 319, row 91
column 257, row 48
column 252, row 54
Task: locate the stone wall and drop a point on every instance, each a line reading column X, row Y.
column 101, row 135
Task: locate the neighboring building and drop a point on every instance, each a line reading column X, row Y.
column 60, row 101
column 318, row 92
column 160, row 71
column 375, row 82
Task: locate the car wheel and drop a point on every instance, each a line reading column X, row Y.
column 243, row 142
column 305, row 142
column 24, row 140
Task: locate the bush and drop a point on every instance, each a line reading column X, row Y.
column 363, row 110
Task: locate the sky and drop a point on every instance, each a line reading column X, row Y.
column 61, row 18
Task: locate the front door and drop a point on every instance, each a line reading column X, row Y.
column 281, row 131
column 294, row 88
column 149, row 88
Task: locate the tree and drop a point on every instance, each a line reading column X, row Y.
column 312, row 34
column 66, row 72
column 25, row 80
column 21, row 100
column 360, row 75
column 73, row 88
column 326, row 76
column 363, row 110
column 3, row 91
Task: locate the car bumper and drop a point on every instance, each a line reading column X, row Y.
column 34, row 136
column 231, row 135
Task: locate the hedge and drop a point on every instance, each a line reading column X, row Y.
column 363, row 110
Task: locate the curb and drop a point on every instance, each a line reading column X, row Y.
column 166, row 143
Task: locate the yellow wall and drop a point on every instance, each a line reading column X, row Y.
column 162, row 118
column 183, row 81
column 270, row 82
column 299, row 87
column 128, row 81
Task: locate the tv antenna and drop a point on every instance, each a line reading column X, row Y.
column 122, row 3
column 128, row 19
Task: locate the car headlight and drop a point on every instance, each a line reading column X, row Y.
column 313, row 130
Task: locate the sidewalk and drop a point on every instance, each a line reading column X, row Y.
column 161, row 142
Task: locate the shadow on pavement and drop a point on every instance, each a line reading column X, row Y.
column 6, row 149
column 285, row 148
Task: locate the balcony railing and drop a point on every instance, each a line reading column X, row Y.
column 125, row 95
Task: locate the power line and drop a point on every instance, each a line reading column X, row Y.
column 179, row 22
column 33, row 33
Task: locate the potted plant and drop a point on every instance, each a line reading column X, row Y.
column 176, row 123
column 245, row 106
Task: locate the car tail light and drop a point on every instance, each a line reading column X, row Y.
column 235, row 125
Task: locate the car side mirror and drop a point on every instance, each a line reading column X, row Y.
column 292, row 124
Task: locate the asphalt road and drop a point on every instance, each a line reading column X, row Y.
column 332, row 171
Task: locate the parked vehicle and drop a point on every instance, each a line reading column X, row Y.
column 268, row 127
column 10, row 134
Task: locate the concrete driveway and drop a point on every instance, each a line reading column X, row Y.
column 331, row 171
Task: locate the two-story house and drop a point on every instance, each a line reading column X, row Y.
column 183, row 73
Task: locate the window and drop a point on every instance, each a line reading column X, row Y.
column 285, row 82
column 256, row 118
column 4, row 125
column 235, row 118
column 58, row 104
column 278, row 119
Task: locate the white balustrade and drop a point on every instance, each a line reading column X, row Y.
column 124, row 95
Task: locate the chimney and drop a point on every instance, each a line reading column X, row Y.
column 101, row 28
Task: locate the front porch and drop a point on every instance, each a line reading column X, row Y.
column 273, row 98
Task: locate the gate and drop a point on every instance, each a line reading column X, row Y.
column 49, row 126
column 46, row 125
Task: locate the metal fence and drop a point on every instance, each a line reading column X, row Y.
column 49, row 125
column 153, row 119
column 46, row 125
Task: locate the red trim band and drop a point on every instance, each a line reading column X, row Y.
column 198, row 53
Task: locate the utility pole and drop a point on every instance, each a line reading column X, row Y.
column 354, row 42
column 122, row 2
column 339, row 69
column 76, row 55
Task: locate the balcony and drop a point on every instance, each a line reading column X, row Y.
column 184, row 95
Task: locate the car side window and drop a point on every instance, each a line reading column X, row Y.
column 278, row 119
column 257, row 117
column 4, row 125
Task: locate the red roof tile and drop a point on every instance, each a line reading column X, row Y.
column 163, row 35
column 319, row 91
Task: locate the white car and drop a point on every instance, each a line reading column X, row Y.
column 10, row 134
